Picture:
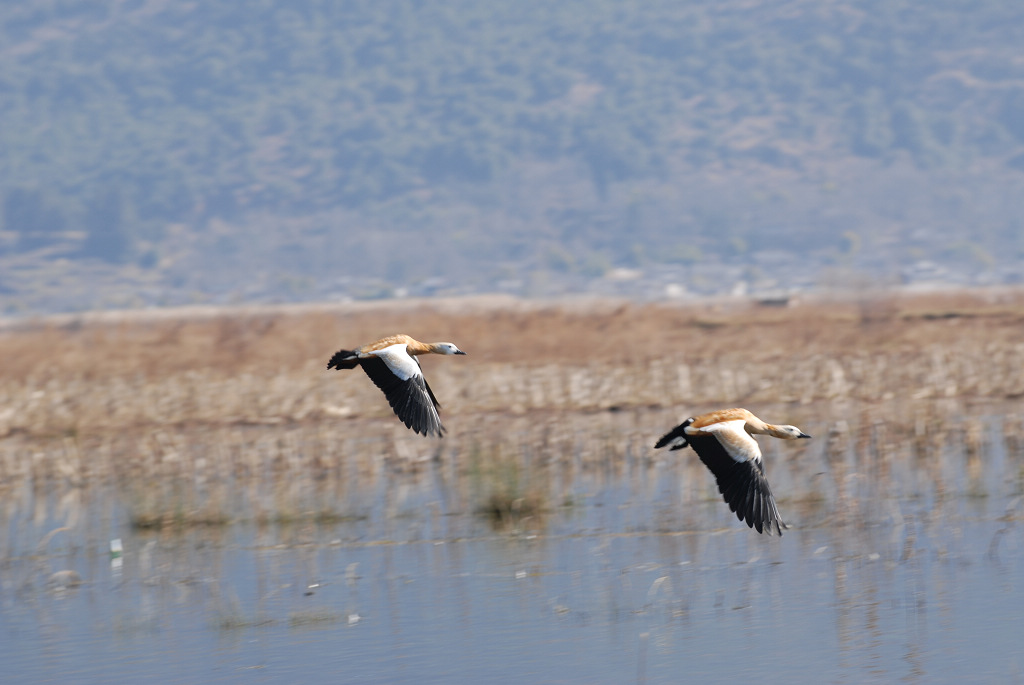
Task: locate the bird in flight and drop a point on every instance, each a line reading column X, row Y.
column 724, row 442
column 392, row 365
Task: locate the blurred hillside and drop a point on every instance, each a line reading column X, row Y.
column 156, row 152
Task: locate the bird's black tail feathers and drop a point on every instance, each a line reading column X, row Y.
column 343, row 359
column 676, row 437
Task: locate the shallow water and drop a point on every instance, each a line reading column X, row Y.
column 643, row 576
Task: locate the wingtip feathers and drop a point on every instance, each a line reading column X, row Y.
column 343, row 359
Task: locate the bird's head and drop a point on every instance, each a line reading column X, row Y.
column 445, row 348
column 788, row 432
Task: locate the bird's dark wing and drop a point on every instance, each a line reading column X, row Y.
column 437, row 405
column 344, row 359
column 411, row 399
column 676, row 438
column 742, row 484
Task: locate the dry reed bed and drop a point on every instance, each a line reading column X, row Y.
column 913, row 464
column 362, row 476
column 80, row 404
column 215, row 417
column 82, row 377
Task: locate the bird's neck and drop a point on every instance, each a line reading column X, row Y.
column 769, row 429
column 756, row 426
column 417, row 347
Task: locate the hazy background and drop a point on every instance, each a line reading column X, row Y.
column 155, row 152
column 273, row 519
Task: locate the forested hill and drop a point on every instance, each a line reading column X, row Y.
column 287, row 148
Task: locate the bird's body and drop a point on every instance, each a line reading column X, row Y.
column 391, row 364
column 724, row 442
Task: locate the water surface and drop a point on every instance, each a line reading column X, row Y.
column 637, row 573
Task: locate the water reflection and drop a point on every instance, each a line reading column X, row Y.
column 270, row 554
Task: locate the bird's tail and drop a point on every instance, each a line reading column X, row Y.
column 675, row 438
column 344, row 359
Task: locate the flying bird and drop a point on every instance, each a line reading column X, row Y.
column 723, row 441
column 392, row 365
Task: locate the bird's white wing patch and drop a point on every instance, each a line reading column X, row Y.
column 400, row 362
column 739, row 444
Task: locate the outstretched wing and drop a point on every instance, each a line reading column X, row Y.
column 344, row 359
column 675, row 439
column 740, row 480
column 411, row 398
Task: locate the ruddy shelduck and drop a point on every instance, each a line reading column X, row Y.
column 392, row 365
column 724, row 442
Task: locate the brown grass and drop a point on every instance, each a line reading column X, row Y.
column 203, row 418
column 77, row 376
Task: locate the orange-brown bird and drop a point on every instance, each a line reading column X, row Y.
column 723, row 441
column 392, row 365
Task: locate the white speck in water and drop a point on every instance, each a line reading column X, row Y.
column 63, row 580
column 656, row 585
column 820, row 550
column 353, row 619
column 520, row 575
column 874, row 556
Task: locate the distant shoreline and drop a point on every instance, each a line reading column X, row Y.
column 582, row 303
